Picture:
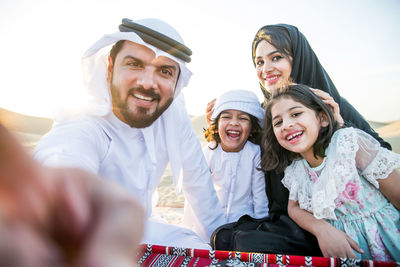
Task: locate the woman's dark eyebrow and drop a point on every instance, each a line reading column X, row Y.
column 269, row 54
column 273, row 52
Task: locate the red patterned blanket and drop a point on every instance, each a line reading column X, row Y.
column 152, row 255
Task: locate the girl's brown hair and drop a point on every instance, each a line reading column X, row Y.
column 276, row 158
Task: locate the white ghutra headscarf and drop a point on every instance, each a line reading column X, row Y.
column 95, row 62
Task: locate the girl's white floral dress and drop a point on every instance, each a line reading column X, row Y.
column 344, row 190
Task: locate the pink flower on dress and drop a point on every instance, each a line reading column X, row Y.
column 313, row 175
column 351, row 191
column 338, row 202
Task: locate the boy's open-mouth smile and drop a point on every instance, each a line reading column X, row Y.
column 232, row 134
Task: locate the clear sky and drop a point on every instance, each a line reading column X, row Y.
column 357, row 41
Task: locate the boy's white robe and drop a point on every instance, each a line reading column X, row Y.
column 240, row 186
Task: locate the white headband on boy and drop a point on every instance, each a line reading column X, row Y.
column 242, row 100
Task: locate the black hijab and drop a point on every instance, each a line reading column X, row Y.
column 307, row 70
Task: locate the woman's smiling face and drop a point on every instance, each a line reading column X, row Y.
column 273, row 67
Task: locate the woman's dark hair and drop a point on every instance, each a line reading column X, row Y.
column 211, row 133
column 277, row 36
column 274, row 156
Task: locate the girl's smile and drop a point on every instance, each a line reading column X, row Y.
column 294, row 136
column 297, row 127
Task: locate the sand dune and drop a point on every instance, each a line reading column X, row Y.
column 32, row 128
column 25, row 123
column 391, row 133
column 28, row 129
column 199, row 123
column 391, row 129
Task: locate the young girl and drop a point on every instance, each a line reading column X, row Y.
column 342, row 175
column 233, row 156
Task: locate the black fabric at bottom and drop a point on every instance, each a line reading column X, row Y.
column 275, row 235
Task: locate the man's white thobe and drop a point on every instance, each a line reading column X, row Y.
column 136, row 160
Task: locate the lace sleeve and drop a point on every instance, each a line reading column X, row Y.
column 298, row 184
column 289, row 181
column 374, row 161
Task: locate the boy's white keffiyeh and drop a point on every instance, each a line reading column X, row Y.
column 351, row 153
column 242, row 100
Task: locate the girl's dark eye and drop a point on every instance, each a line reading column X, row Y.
column 259, row 62
column 277, row 123
column 296, row 114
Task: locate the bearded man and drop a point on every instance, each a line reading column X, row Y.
column 135, row 123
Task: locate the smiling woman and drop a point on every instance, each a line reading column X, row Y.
column 44, row 69
column 273, row 66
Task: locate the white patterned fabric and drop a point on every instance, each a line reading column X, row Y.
column 351, row 151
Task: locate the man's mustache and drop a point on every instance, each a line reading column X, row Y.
column 145, row 92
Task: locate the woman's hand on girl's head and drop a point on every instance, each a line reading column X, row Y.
column 331, row 102
column 210, row 110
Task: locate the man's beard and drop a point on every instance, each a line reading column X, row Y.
column 138, row 117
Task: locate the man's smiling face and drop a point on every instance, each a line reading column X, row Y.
column 142, row 86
